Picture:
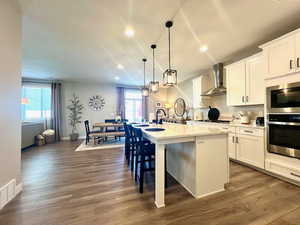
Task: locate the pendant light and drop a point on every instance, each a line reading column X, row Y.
column 169, row 76
column 145, row 90
column 154, row 85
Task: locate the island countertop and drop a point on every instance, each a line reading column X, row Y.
column 179, row 131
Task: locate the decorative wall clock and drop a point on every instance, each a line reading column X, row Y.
column 96, row 102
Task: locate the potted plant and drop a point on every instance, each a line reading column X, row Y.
column 75, row 116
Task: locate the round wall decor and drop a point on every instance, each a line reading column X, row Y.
column 96, row 102
column 179, row 107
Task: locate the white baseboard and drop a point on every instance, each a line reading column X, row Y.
column 8, row 192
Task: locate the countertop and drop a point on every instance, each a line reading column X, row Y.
column 180, row 131
column 231, row 124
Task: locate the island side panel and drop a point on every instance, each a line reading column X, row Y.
column 181, row 164
column 212, row 164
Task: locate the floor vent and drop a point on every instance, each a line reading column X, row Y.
column 7, row 193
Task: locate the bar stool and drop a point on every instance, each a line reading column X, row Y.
column 145, row 153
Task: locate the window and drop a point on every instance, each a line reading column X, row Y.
column 36, row 102
column 133, row 105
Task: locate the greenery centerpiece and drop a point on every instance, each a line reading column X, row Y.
column 75, row 109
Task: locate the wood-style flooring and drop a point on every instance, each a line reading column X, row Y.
column 63, row 187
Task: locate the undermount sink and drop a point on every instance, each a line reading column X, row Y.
column 154, row 129
column 142, row 125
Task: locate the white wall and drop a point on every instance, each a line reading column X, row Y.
column 84, row 92
column 10, row 92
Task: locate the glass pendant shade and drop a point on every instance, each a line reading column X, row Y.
column 145, row 91
column 154, row 86
column 170, row 77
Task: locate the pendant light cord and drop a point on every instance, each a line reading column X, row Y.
column 153, row 67
column 144, row 74
column 169, row 50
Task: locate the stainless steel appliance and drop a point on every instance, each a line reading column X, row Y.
column 218, row 89
column 283, row 133
column 284, row 98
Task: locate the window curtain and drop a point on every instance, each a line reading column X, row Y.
column 145, row 111
column 56, row 117
column 121, row 102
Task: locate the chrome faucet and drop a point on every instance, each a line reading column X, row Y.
column 157, row 111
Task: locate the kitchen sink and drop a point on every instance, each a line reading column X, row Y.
column 155, row 129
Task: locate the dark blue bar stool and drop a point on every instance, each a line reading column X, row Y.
column 145, row 153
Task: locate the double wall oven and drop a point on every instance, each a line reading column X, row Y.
column 283, row 119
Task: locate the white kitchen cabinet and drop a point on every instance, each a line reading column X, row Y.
column 235, row 83
column 297, row 58
column 255, row 86
column 250, row 147
column 245, row 82
column 281, row 56
column 231, row 146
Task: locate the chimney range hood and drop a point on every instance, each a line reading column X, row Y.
column 218, row 75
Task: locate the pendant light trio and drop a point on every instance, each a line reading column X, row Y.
column 169, row 76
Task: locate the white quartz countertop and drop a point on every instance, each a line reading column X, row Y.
column 232, row 124
column 180, row 131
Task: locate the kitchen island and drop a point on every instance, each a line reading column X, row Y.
column 196, row 157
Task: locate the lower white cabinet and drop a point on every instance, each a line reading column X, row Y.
column 232, row 145
column 250, row 149
column 247, row 145
column 283, row 169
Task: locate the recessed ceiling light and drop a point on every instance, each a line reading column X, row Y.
column 117, row 78
column 120, row 66
column 129, row 32
column 203, row 48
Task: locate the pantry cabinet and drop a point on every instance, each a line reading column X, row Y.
column 245, row 82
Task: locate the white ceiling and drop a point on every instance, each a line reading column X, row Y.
column 83, row 40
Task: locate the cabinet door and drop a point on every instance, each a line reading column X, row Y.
column 250, row 149
column 297, row 52
column 236, row 81
column 231, row 146
column 281, row 57
column 255, row 84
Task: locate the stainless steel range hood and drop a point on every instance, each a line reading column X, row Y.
column 218, row 75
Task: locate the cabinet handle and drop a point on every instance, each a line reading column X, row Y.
column 243, row 99
column 232, row 139
column 298, row 63
column 291, row 64
column 248, row 131
column 236, row 139
column 294, row 174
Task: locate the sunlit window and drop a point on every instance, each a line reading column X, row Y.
column 133, row 105
column 36, row 102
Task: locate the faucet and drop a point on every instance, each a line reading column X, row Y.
column 157, row 111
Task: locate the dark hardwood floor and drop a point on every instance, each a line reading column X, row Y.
column 63, row 187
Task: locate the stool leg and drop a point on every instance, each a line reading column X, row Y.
column 142, row 167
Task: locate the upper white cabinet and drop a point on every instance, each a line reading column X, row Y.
column 245, row 82
column 282, row 55
column 255, row 84
column 236, row 83
column 200, row 85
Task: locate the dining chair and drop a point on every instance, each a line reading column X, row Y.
column 129, row 143
column 88, row 131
